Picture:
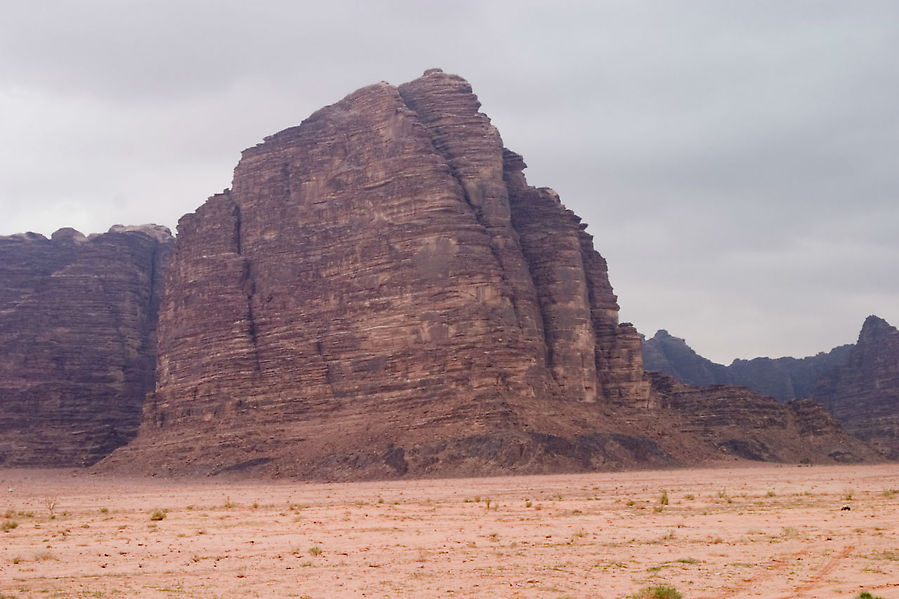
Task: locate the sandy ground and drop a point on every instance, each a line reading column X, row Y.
column 772, row 531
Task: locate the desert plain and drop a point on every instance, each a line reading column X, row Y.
column 752, row 531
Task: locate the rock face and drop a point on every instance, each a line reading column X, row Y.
column 863, row 393
column 77, row 341
column 383, row 265
column 380, row 294
column 858, row 383
column 781, row 378
column 747, row 425
column 671, row 355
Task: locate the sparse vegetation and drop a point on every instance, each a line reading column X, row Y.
column 867, row 595
column 661, row 591
column 157, row 515
column 51, row 503
column 592, row 533
column 8, row 525
column 44, row 556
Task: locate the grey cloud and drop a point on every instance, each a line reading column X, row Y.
column 735, row 161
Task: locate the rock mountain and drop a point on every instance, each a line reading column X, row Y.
column 77, row 341
column 858, row 383
column 863, row 392
column 381, row 293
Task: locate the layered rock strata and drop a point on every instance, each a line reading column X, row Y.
column 384, row 263
column 863, row 393
column 857, row 383
column 77, row 341
column 381, row 293
column 747, row 425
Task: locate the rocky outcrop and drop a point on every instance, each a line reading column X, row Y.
column 383, row 265
column 782, row 378
column 858, row 383
column 747, row 425
column 863, row 393
column 77, row 341
column 381, row 293
column 787, row 378
column 671, row 355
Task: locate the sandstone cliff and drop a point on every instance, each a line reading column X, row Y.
column 857, row 383
column 385, row 266
column 863, row 393
column 77, row 341
column 745, row 424
column 381, row 293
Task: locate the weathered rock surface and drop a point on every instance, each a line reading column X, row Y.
column 863, row 393
column 782, row 378
column 748, row 425
column 858, row 383
column 671, row 355
column 77, row 341
column 381, row 293
column 385, row 266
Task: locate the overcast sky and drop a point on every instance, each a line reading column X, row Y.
column 736, row 161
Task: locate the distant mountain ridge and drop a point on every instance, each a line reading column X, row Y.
column 863, row 393
column 782, row 378
column 858, row 383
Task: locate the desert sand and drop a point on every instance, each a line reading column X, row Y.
column 763, row 531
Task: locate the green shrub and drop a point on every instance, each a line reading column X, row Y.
column 662, row 591
column 8, row 525
column 157, row 515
